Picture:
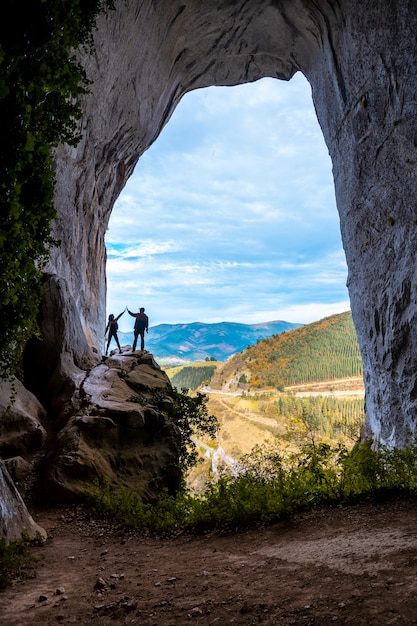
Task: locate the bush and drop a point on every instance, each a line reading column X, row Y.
column 271, row 486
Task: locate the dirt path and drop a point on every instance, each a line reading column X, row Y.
column 349, row 565
column 246, row 415
column 343, row 387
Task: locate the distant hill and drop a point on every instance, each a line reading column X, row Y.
column 324, row 350
column 187, row 343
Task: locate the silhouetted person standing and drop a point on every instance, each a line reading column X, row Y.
column 141, row 324
column 112, row 327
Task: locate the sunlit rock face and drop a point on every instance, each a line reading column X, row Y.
column 117, row 428
column 359, row 57
column 119, row 432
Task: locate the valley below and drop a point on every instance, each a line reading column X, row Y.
column 252, row 418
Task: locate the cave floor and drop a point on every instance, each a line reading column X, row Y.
column 343, row 565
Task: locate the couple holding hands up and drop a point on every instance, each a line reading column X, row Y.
column 141, row 324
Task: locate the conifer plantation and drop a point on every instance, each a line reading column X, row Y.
column 325, row 350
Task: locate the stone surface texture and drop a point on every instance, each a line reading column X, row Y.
column 15, row 519
column 118, row 430
column 21, row 428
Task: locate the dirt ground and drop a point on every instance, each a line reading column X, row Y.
column 345, row 565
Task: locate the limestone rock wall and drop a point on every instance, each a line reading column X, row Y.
column 364, row 89
column 118, row 432
column 21, row 434
column 360, row 58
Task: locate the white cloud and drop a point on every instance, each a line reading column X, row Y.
column 231, row 214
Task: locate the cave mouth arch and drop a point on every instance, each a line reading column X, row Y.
column 230, row 215
column 360, row 60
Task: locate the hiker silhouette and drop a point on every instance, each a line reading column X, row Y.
column 112, row 327
column 141, row 324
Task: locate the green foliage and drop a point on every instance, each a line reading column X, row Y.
column 40, row 81
column 190, row 416
column 16, row 561
column 322, row 416
column 381, row 471
column 168, row 513
column 271, row 486
column 325, row 350
column 193, row 377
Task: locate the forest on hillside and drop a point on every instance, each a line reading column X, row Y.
column 192, row 376
column 258, row 407
column 325, row 350
column 323, row 416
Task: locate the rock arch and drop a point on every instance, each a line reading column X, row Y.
column 360, row 59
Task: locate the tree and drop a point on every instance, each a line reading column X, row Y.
column 190, row 415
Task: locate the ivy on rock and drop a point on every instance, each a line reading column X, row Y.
column 40, row 84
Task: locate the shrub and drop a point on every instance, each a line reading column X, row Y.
column 271, row 486
column 190, row 416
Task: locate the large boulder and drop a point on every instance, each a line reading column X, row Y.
column 360, row 59
column 120, row 434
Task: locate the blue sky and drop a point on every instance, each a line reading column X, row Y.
column 230, row 215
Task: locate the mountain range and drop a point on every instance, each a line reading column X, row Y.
column 176, row 344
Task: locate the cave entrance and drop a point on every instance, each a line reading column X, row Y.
column 231, row 214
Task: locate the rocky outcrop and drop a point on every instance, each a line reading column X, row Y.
column 116, row 429
column 360, row 59
column 119, row 432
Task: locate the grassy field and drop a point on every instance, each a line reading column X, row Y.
column 173, row 372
